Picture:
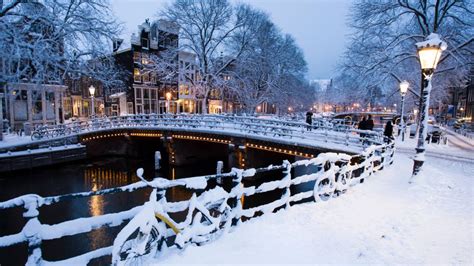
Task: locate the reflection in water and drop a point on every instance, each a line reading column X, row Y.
column 101, row 178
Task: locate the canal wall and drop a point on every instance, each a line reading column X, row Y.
column 20, row 160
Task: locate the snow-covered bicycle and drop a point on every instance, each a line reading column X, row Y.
column 147, row 233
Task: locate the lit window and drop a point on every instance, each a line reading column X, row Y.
column 136, row 75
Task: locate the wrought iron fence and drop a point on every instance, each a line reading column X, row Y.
column 331, row 173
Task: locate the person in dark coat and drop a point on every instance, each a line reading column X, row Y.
column 362, row 124
column 309, row 120
column 370, row 123
column 388, row 131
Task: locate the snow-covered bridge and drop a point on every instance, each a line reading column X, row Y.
column 324, row 134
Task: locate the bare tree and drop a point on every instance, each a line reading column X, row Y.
column 382, row 51
column 49, row 41
column 207, row 29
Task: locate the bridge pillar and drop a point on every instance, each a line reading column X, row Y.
column 169, row 146
column 237, row 154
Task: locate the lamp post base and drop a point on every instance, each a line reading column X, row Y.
column 417, row 166
column 418, row 161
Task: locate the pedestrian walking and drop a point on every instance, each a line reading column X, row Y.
column 370, row 123
column 362, row 126
column 388, row 132
column 309, row 120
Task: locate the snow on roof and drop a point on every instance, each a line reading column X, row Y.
column 117, row 95
column 432, row 40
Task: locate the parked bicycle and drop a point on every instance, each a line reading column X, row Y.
column 147, row 233
column 40, row 132
column 60, row 130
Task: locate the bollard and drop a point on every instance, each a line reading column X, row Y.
column 157, row 160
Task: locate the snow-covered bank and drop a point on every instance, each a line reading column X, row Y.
column 385, row 220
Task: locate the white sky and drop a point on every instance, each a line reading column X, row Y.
column 319, row 26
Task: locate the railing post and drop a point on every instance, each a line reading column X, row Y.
column 236, row 192
column 347, row 137
column 32, row 231
column 219, row 167
column 287, row 179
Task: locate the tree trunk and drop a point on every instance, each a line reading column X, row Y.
column 204, row 106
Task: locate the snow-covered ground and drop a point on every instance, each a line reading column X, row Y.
column 458, row 148
column 14, row 139
column 386, row 220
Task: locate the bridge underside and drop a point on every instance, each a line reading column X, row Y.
column 182, row 148
column 177, row 146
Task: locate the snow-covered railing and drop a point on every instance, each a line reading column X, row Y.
column 321, row 130
column 331, row 173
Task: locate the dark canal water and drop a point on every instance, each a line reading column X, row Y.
column 94, row 174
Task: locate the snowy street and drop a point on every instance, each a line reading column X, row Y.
column 383, row 221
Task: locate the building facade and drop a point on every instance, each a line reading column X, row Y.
column 146, row 91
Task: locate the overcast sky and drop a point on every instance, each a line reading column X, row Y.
column 319, row 26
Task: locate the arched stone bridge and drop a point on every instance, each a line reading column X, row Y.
column 106, row 136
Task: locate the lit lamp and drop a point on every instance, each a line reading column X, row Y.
column 429, row 53
column 403, row 92
column 168, row 98
column 92, row 92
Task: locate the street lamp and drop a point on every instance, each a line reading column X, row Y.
column 168, row 98
column 92, row 92
column 403, row 91
column 429, row 53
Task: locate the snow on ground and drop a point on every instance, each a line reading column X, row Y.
column 458, row 147
column 14, row 139
column 386, row 220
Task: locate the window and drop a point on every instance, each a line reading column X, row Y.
column 144, row 43
column 146, row 77
column 145, row 60
column 136, row 75
column 37, row 107
column 115, row 110
column 136, row 57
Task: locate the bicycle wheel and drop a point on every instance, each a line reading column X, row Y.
column 323, row 190
column 36, row 136
column 139, row 247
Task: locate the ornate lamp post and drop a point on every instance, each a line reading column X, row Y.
column 403, row 91
column 168, row 98
column 429, row 53
column 92, row 92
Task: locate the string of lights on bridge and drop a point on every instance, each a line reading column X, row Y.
column 207, row 139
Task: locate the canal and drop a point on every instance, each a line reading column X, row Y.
column 99, row 173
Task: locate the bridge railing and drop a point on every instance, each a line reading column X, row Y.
column 331, row 173
column 321, row 130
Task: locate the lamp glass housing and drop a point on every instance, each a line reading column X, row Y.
column 92, row 90
column 429, row 57
column 168, row 96
column 404, row 87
